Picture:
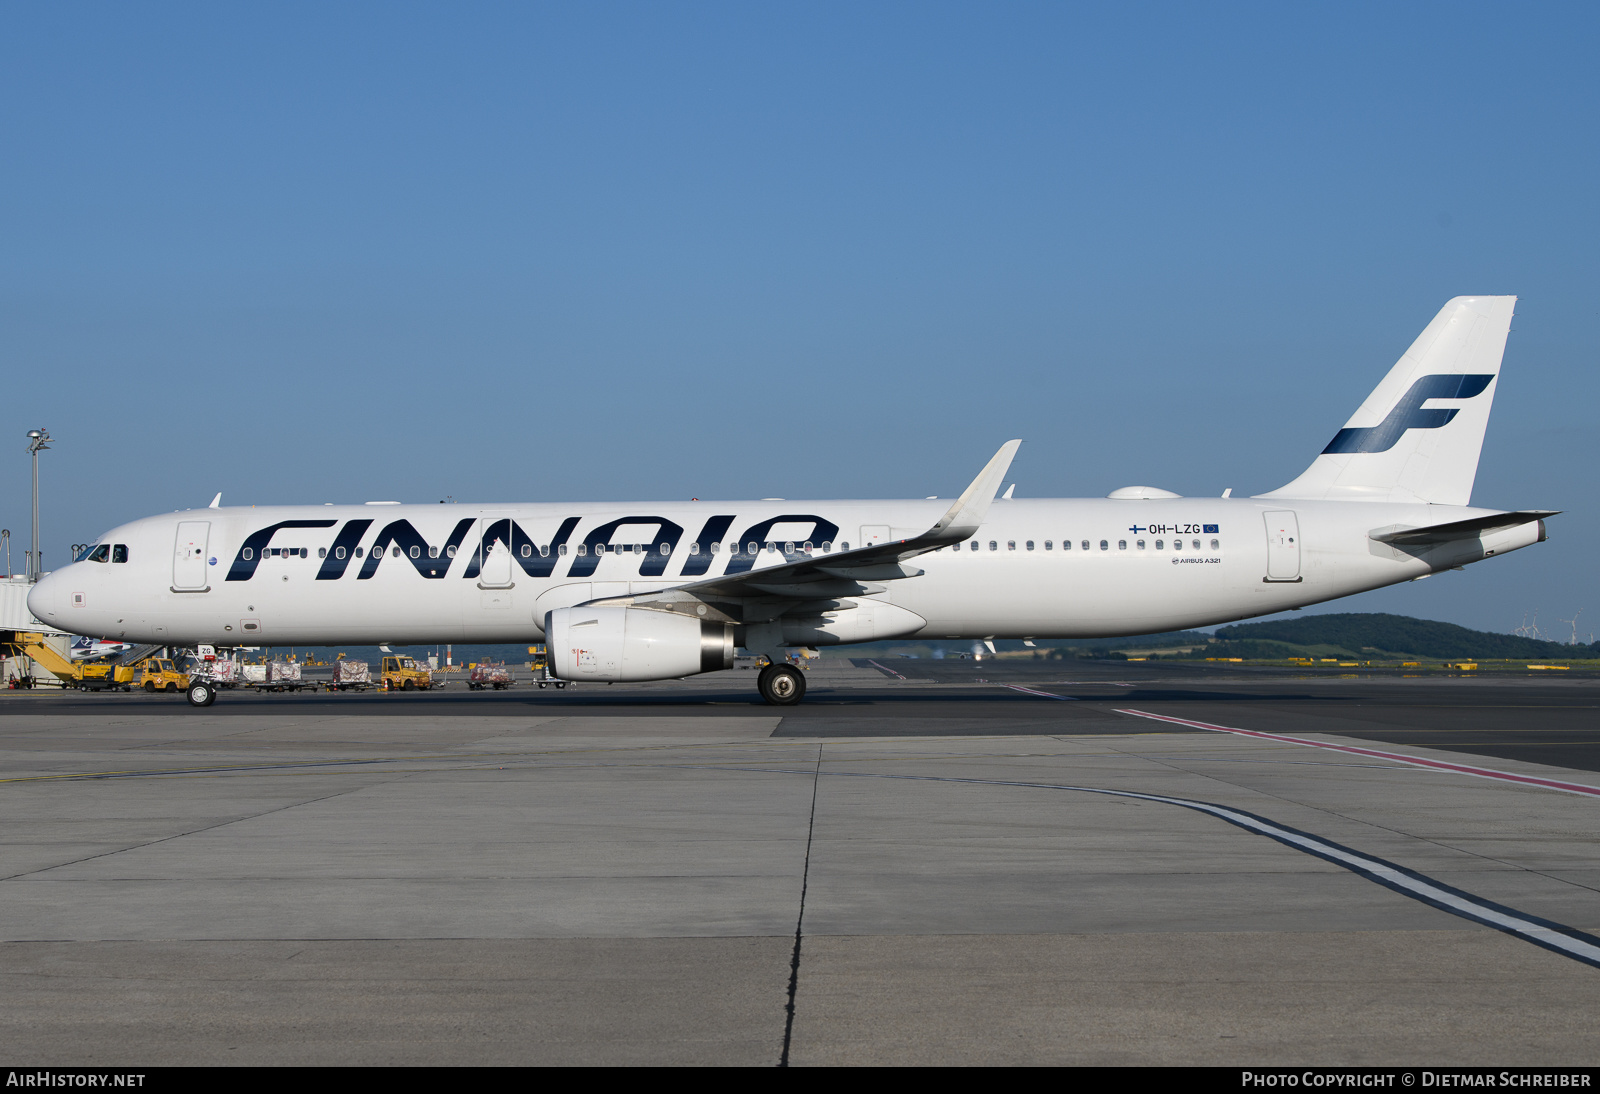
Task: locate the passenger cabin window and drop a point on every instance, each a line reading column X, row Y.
column 338, row 552
column 827, row 546
column 1122, row 545
column 119, row 552
column 1139, row 544
column 666, row 548
column 450, row 551
column 1047, row 545
column 563, row 550
column 1177, row 545
column 1104, row 546
column 974, row 545
column 360, row 551
column 544, row 550
column 1196, row 545
column 416, row 551
column 1216, row 544
column 433, row 552
column 1030, row 545
column 1086, row 545
column 395, row 551
column 1011, row 545
column 716, row 547
column 583, row 549
column 1161, row 545
column 844, row 545
column 247, row 554
column 993, row 546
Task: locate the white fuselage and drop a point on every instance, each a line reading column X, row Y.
column 275, row 575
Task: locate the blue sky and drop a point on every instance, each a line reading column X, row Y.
column 637, row 251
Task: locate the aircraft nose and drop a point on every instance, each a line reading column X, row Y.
column 47, row 600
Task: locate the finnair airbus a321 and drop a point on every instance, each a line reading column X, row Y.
column 659, row 591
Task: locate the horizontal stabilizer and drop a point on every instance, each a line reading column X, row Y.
column 1460, row 529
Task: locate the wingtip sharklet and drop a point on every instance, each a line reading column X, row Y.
column 969, row 510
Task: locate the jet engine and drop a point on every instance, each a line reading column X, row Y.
column 615, row 643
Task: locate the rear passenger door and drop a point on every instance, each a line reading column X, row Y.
column 1283, row 545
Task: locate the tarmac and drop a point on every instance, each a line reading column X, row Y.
column 924, row 863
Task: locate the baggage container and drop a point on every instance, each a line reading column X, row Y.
column 489, row 674
column 351, row 675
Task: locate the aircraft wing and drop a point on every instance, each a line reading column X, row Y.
column 764, row 593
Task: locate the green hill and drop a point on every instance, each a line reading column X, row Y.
column 1368, row 633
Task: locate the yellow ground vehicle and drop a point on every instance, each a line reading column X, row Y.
column 84, row 675
column 404, row 674
column 159, row 674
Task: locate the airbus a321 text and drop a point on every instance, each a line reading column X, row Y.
column 660, row 591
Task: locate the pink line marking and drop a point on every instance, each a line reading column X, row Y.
column 885, row 668
column 1414, row 761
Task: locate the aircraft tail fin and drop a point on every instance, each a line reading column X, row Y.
column 1418, row 436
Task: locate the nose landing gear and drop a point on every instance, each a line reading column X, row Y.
column 201, row 694
column 781, row 685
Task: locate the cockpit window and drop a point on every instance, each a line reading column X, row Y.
column 100, row 553
column 119, row 552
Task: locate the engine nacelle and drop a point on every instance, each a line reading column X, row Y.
column 615, row 643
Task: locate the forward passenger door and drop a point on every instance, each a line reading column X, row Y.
column 189, row 557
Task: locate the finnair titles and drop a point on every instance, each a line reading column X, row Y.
column 665, row 590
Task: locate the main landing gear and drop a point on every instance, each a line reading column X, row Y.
column 782, row 685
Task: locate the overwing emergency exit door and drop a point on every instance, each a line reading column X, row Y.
column 495, row 565
column 1283, row 545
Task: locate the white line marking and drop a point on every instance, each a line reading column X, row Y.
column 1044, row 694
column 1544, row 933
column 885, row 668
column 1414, row 761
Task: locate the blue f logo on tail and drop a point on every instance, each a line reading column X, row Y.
column 1408, row 413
